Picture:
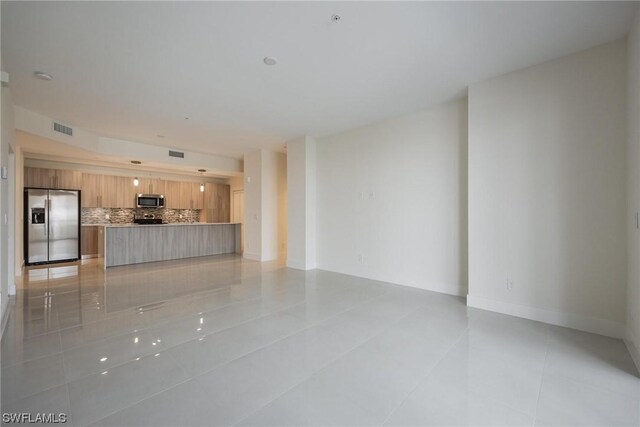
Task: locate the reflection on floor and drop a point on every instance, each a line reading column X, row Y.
column 225, row 341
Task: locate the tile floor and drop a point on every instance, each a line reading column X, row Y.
column 224, row 341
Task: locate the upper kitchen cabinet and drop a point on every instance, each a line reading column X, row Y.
column 150, row 186
column 92, row 186
column 190, row 196
column 38, row 177
column 197, row 197
column 67, row 179
column 107, row 191
column 117, row 192
column 52, row 178
column 172, row 197
column 186, row 195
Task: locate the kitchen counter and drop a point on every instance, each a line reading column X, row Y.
column 124, row 244
column 173, row 224
column 131, row 224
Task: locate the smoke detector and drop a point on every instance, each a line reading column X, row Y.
column 270, row 60
column 42, row 75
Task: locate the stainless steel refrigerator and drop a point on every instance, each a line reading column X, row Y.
column 52, row 225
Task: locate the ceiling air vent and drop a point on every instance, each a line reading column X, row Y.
column 62, row 129
column 177, row 154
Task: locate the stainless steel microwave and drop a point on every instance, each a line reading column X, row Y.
column 150, row 200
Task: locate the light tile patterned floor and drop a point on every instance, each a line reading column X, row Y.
column 225, row 341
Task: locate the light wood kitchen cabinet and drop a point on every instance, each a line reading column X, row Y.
column 52, row 178
column 186, row 195
column 126, row 192
column 150, row 186
column 197, row 197
column 38, row 177
column 172, row 190
column 217, row 202
column 107, row 191
column 117, row 192
column 92, row 186
column 89, row 241
column 190, row 196
column 67, row 179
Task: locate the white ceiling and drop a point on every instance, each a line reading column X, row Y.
column 133, row 70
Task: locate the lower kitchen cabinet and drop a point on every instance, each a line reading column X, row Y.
column 89, row 241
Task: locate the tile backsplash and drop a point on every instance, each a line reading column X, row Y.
column 126, row 216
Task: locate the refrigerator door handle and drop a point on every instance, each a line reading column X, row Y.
column 46, row 217
column 50, row 230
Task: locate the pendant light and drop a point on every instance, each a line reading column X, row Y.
column 202, row 171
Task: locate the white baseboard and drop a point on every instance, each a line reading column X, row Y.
column 252, row 256
column 633, row 344
column 459, row 291
column 4, row 319
column 299, row 265
column 574, row 321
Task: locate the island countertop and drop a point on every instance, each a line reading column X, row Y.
column 124, row 244
column 168, row 224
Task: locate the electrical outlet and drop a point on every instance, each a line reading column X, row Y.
column 509, row 284
column 360, row 258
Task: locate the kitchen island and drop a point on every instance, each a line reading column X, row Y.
column 124, row 244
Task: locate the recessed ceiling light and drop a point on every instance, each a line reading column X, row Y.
column 335, row 17
column 202, row 170
column 136, row 162
column 270, row 60
column 43, row 76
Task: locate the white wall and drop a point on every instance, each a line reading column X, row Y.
column 252, row 226
column 301, row 195
column 633, row 191
column 283, row 195
column 7, row 138
column 391, row 200
column 265, row 205
column 274, row 204
column 547, row 191
column 18, row 209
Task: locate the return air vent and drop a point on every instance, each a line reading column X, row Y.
column 62, row 129
column 178, row 154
